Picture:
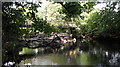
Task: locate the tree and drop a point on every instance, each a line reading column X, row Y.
column 15, row 24
column 71, row 9
column 101, row 23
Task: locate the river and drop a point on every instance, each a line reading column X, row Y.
column 94, row 53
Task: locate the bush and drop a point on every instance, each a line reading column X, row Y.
column 100, row 23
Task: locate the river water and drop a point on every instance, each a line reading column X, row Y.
column 94, row 53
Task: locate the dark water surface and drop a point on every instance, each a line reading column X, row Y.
column 86, row 53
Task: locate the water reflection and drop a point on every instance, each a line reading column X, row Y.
column 95, row 54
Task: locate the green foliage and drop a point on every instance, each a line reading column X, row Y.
column 11, row 20
column 70, row 9
column 73, row 9
column 60, row 27
column 15, row 23
column 20, row 17
column 43, row 26
column 87, row 7
column 90, row 22
column 101, row 23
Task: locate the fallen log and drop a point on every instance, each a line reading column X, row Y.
column 55, row 41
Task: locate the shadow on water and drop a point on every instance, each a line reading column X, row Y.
column 80, row 53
